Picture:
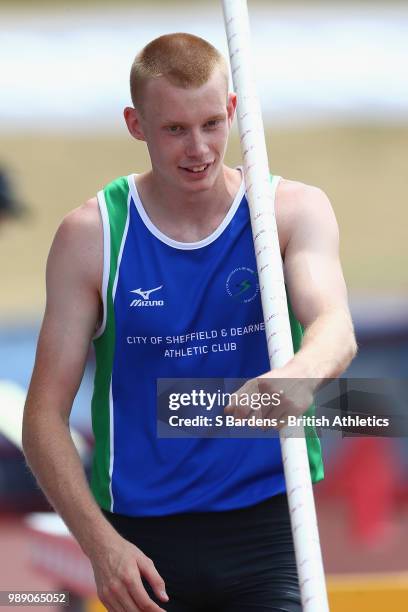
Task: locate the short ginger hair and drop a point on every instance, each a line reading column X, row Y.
column 184, row 59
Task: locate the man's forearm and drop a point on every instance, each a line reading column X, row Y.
column 327, row 349
column 54, row 460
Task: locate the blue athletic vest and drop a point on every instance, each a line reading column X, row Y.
column 176, row 310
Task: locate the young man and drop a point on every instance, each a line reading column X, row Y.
column 160, row 262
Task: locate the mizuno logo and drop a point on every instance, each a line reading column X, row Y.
column 145, row 294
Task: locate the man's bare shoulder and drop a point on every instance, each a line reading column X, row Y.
column 293, row 196
column 81, row 226
column 79, row 241
column 82, row 221
column 298, row 206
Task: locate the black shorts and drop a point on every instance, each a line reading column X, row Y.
column 234, row 561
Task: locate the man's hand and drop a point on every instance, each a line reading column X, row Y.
column 119, row 567
column 273, row 396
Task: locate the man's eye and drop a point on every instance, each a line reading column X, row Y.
column 174, row 129
column 213, row 123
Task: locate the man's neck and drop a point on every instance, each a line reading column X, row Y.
column 188, row 217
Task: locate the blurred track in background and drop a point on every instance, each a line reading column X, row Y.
column 335, row 101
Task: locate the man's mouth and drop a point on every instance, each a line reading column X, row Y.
column 195, row 169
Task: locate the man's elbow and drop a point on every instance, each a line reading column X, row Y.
column 347, row 343
column 345, row 356
column 353, row 348
column 34, row 428
column 350, row 346
column 27, row 434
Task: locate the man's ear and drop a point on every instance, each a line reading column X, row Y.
column 231, row 106
column 133, row 122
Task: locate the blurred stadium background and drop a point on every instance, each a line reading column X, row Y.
column 335, row 106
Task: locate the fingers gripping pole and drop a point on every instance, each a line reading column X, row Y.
column 274, row 302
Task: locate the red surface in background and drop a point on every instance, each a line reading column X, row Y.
column 344, row 553
column 16, row 572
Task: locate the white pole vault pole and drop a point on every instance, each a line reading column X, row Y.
column 274, row 303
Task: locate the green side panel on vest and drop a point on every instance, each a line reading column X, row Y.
column 116, row 197
column 314, row 450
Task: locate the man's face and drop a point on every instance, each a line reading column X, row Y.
column 186, row 131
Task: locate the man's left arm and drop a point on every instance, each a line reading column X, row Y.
column 317, row 290
column 318, row 296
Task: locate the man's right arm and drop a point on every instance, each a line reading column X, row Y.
column 74, row 273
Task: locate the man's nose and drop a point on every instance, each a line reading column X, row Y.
column 196, row 145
